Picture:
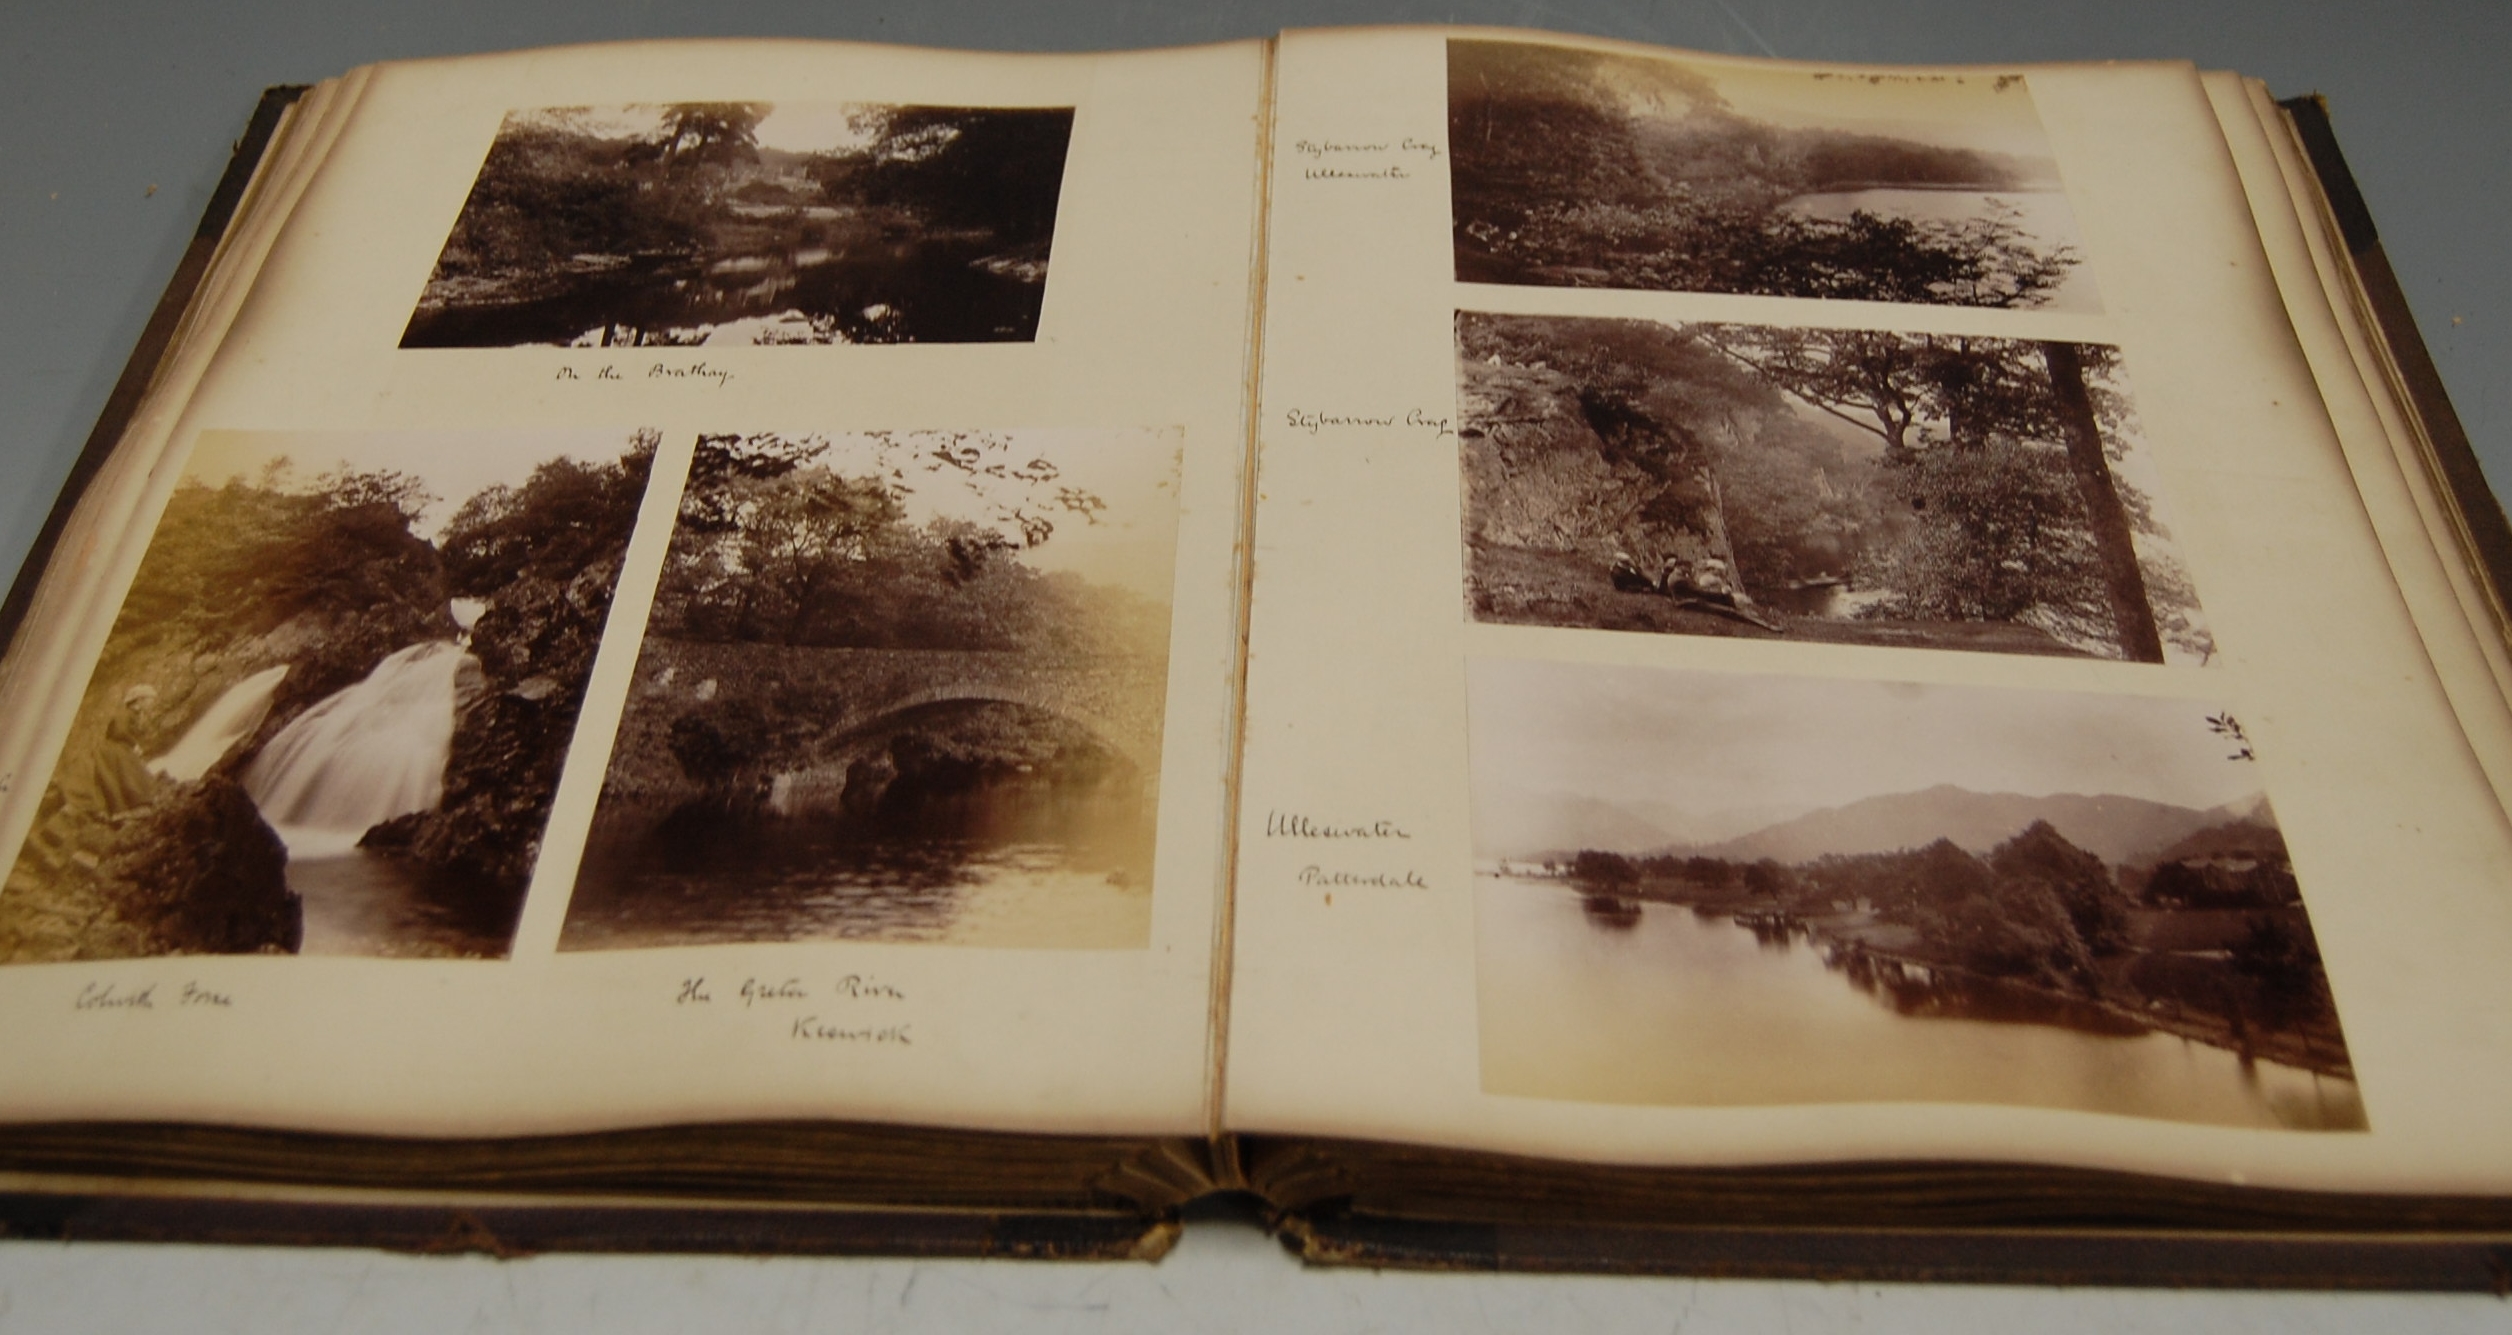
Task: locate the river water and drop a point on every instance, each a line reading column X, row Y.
column 932, row 291
column 1664, row 1007
column 1008, row 869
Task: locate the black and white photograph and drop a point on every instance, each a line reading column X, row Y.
column 331, row 714
column 900, row 687
column 1572, row 167
column 752, row 223
column 1822, row 485
column 1697, row 888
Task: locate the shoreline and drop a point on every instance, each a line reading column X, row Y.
column 1845, row 953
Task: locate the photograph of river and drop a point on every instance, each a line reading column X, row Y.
column 897, row 687
column 1852, row 486
column 752, row 223
column 1573, row 167
column 1697, row 888
column 331, row 714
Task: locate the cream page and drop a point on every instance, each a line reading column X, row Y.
column 1814, row 614
column 851, row 439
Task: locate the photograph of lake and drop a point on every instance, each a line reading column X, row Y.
column 1699, row 889
column 896, row 687
column 1572, row 167
column 1854, row 486
column 331, row 714
column 752, row 223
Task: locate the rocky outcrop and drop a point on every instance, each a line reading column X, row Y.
column 535, row 644
column 196, row 872
column 1552, row 465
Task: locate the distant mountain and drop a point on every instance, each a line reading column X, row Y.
column 1524, row 825
column 2253, row 834
column 2114, row 828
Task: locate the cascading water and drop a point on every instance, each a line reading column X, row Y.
column 363, row 756
column 234, row 714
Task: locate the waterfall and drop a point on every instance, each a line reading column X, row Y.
column 371, row 752
column 235, row 713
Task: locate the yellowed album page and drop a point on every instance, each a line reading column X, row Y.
column 2377, row 424
column 1812, row 613
column 700, row 583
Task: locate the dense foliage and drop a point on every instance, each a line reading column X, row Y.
column 776, row 546
column 1979, row 495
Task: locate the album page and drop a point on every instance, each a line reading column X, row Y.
column 1810, row 613
column 698, row 583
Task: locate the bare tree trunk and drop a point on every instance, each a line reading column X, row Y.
column 2115, row 548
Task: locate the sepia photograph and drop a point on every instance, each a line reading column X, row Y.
column 1580, row 168
column 752, row 223
column 1703, row 888
column 331, row 714
column 897, row 686
column 1826, row 485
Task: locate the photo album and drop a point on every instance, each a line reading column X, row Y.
column 1521, row 650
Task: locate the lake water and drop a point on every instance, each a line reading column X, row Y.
column 2044, row 215
column 1664, row 1007
column 1008, row 869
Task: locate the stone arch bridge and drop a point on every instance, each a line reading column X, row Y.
column 1118, row 698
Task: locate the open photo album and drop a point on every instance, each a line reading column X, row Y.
column 1533, row 651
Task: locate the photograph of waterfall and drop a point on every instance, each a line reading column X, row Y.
column 1701, row 888
column 896, row 686
column 752, row 222
column 330, row 715
column 1834, row 485
column 1581, row 168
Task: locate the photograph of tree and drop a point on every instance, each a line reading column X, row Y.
column 1580, row 168
column 1704, row 888
column 752, row 222
column 1857, row 486
column 896, row 687
column 331, row 714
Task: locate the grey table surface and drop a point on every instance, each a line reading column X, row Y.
column 119, row 117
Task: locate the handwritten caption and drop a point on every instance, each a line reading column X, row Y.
column 1363, row 160
column 149, row 997
column 1296, row 825
column 610, row 373
column 1419, row 421
column 809, row 1011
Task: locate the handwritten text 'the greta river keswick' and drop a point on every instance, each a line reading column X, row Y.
column 810, row 1009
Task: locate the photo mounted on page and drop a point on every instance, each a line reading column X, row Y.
column 1697, row 888
column 896, row 687
column 331, row 715
column 752, row 222
column 1580, row 168
column 1817, row 485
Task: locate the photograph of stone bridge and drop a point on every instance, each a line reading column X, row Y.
column 896, row 687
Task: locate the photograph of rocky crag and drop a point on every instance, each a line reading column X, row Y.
column 1844, row 485
column 331, row 713
column 1702, row 888
column 752, row 222
column 1581, row 168
column 897, row 687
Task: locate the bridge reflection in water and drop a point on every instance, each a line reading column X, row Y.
column 956, row 821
